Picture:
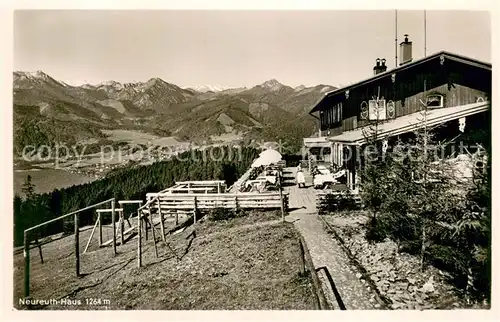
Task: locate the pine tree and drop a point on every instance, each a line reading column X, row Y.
column 28, row 188
column 424, row 187
column 374, row 172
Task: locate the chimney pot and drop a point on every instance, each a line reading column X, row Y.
column 380, row 66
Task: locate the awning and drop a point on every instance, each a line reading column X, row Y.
column 411, row 122
column 315, row 142
column 267, row 157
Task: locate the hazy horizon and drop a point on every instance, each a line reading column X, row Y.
column 234, row 48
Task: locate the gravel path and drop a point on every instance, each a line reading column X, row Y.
column 325, row 251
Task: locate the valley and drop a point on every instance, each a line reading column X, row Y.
column 47, row 112
column 74, row 134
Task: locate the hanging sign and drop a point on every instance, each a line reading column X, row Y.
column 461, row 124
column 364, row 110
column 385, row 145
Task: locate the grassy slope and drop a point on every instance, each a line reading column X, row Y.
column 226, row 266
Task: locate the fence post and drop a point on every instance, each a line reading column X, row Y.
column 139, row 241
column 113, row 223
column 281, row 196
column 122, row 227
column 26, row 265
column 99, row 218
column 77, row 246
column 146, row 226
column 39, row 249
column 194, row 210
column 162, row 224
column 152, row 229
column 236, row 203
column 302, row 260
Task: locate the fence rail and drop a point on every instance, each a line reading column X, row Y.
column 30, row 230
column 157, row 205
column 326, row 200
column 214, row 186
column 211, row 201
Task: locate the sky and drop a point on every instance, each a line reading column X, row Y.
column 234, row 48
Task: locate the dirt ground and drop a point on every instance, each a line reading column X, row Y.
column 212, row 265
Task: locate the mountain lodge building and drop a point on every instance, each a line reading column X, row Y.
column 456, row 90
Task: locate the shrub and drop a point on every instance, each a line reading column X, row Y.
column 412, row 247
column 376, row 230
column 448, row 258
column 338, row 202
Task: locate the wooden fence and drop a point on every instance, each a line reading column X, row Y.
column 215, row 186
column 201, row 202
column 75, row 214
column 171, row 201
column 329, row 200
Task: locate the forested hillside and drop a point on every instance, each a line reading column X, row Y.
column 132, row 183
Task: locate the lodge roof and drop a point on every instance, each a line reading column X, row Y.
column 447, row 55
column 410, row 122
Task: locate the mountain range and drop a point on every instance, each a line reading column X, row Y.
column 47, row 111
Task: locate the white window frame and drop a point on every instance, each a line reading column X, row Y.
column 377, row 112
column 441, row 105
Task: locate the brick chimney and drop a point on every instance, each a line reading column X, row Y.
column 405, row 52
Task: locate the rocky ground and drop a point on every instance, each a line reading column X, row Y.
column 397, row 276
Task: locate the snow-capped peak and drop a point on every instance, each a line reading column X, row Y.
column 209, row 88
column 112, row 83
column 38, row 74
column 300, row 87
column 33, row 75
column 29, row 79
column 272, row 84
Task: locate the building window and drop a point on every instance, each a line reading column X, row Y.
column 391, row 110
column 376, row 110
column 435, row 101
column 331, row 116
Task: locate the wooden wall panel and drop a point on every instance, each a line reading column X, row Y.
column 457, row 95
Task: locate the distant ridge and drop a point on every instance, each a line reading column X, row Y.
column 268, row 111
